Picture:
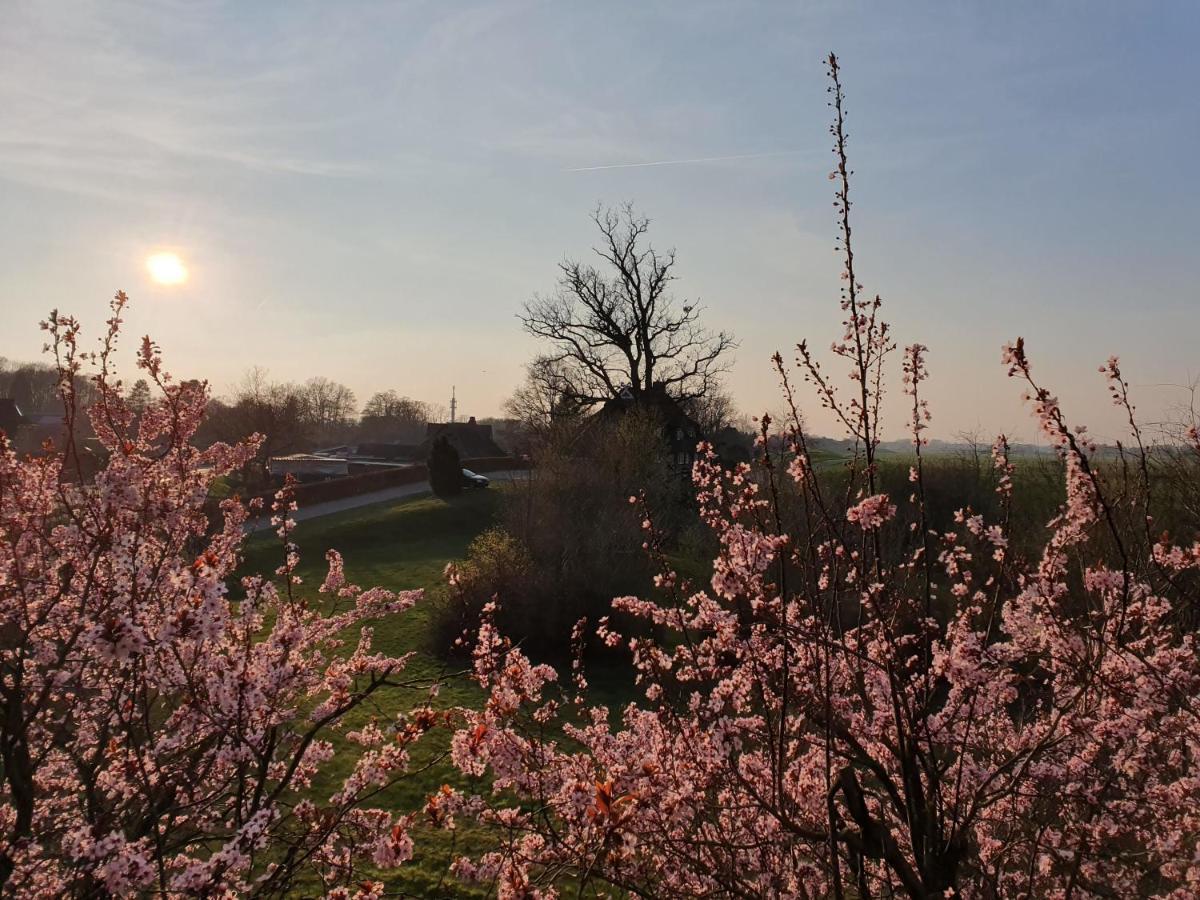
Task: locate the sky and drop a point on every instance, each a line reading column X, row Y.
column 370, row 191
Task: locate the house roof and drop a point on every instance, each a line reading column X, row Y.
column 655, row 400
column 471, row 439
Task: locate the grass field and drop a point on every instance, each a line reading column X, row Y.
column 400, row 545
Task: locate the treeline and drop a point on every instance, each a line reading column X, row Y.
column 293, row 416
column 34, row 386
column 319, row 412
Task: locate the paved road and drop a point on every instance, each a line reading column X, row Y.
column 384, row 496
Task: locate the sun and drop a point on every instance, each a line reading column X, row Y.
column 166, row 268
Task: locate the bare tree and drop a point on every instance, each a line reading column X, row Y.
column 329, row 406
column 391, row 417
column 1177, row 454
column 1182, row 414
column 974, row 447
column 545, row 397
column 276, row 410
column 714, row 412
column 618, row 327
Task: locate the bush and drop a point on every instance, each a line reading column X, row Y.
column 497, row 565
column 445, row 469
column 159, row 738
column 574, row 515
column 570, row 540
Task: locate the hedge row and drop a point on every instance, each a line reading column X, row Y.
column 313, row 492
column 482, row 464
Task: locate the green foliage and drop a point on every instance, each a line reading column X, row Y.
column 498, row 567
column 404, row 545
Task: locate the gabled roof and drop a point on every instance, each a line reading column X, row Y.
column 655, row 400
column 471, row 439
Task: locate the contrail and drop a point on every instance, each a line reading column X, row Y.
column 681, row 162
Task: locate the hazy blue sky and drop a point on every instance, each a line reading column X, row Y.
column 369, row 191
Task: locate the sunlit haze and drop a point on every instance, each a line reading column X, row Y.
column 369, row 192
column 166, row 268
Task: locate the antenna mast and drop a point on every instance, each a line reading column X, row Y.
column 453, row 404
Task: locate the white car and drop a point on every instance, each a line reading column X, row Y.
column 473, row 480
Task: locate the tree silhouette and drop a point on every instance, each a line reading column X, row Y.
column 618, row 326
column 445, row 469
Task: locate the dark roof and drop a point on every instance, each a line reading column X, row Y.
column 471, row 439
column 655, row 400
column 11, row 416
column 389, row 450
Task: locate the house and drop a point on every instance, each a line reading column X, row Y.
column 732, row 446
column 388, row 451
column 11, row 418
column 472, row 440
column 681, row 433
column 27, row 432
column 343, row 460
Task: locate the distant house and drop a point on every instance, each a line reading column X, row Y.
column 11, row 418
column 388, row 450
column 471, row 439
column 307, row 466
column 732, row 446
column 681, row 433
column 52, row 427
column 27, row 432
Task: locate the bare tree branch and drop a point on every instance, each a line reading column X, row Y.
column 618, row 327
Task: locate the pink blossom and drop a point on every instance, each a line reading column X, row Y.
column 163, row 732
column 871, row 512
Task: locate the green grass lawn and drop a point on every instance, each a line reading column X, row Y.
column 400, row 545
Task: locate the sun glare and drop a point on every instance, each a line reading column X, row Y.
column 166, row 268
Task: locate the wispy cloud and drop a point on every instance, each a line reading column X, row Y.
column 87, row 92
column 412, row 158
column 685, row 162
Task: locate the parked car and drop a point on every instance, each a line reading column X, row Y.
column 473, row 480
